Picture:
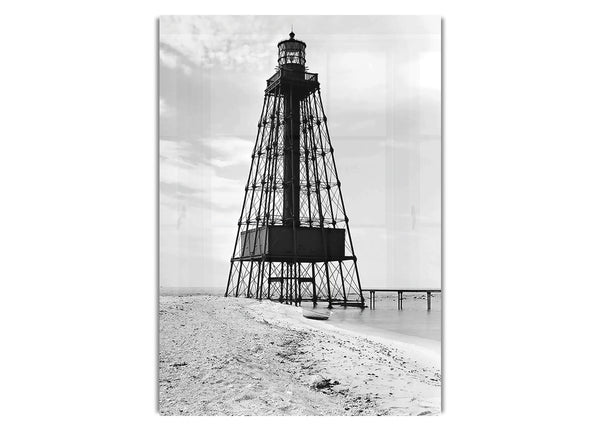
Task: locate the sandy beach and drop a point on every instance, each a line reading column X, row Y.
column 233, row 356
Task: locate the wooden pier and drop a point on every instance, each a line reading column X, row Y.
column 401, row 293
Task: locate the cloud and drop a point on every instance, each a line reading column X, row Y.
column 192, row 173
column 218, row 152
column 173, row 60
column 226, row 41
column 229, row 151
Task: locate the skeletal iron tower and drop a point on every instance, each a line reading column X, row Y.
column 293, row 241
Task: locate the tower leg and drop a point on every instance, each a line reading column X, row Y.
column 282, row 280
column 229, row 279
column 314, row 283
column 343, row 284
column 328, row 285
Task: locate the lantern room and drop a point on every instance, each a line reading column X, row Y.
column 291, row 53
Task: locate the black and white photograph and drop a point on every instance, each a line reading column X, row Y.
column 300, row 215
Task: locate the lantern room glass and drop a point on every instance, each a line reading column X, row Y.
column 292, row 52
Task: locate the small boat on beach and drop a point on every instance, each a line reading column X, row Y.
column 316, row 314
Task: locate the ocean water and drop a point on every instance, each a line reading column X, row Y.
column 413, row 324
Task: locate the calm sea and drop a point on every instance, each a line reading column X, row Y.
column 413, row 324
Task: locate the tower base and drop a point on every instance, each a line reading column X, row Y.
column 331, row 282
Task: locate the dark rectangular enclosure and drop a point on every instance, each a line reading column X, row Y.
column 278, row 241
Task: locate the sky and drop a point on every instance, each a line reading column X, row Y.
column 381, row 86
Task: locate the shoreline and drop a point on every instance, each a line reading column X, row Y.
column 429, row 346
column 426, row 349
column 234, row 356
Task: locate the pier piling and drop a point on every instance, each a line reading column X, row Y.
column 401, row 295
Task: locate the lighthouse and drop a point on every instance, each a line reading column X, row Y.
column 293, row 241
